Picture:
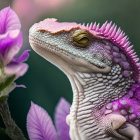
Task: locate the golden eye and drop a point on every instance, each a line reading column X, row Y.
column 81, row 38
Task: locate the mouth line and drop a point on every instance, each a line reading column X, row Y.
column 57, row 51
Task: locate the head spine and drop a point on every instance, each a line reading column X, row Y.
column 110, row 32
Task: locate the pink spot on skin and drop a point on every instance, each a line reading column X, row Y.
column 123, row 57
column 116, row 60
column 125, row 65
column 115, row 54
column 138, row 93
column 126, row 73
column 116, row 49
column 129, row 106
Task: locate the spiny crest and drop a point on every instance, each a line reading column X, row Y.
column 118, row 37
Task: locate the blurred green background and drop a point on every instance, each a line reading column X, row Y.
column 45, row 83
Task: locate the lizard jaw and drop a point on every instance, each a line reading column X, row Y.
column 68, row 63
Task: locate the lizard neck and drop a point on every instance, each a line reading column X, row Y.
column 92, row 91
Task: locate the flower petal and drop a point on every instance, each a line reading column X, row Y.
column 9, row 20
column 39, row 124
column 62, row 110
column 9, row 54
column 23, row 57
column 16, row 35
column 17, row 69
column 10, row 34
column 8, row 43
column 22, row 86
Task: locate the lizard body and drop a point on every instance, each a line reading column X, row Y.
column 104, row 74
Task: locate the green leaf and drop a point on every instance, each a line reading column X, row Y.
column 3, row 98
column 7, row 82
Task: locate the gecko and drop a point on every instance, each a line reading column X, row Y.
column 104, row 72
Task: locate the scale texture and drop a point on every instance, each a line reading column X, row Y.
column 104, row 72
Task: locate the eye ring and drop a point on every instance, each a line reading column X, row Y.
column 81, row 38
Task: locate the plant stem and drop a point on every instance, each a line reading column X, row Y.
column 12, row 130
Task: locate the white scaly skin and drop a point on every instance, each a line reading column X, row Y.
column 86, row 119
column 132, row 130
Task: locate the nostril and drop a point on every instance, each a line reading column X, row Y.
column 42, row 31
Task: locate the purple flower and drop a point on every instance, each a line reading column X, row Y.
column 40, row 125
column 10, row 44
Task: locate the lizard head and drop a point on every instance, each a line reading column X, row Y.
column 73, row 46
column 100, row 63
